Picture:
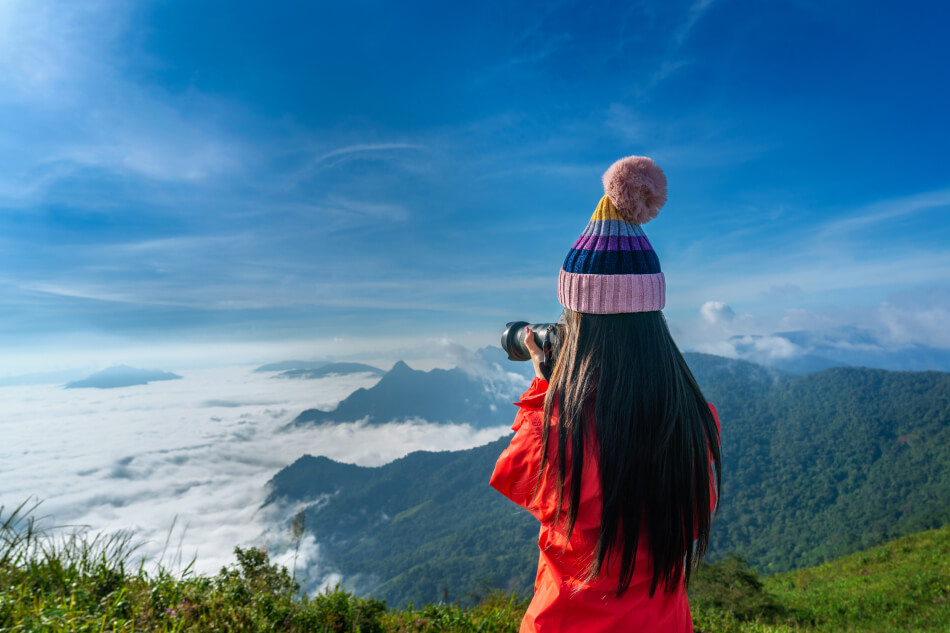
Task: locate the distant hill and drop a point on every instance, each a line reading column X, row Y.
column 331, row 369
column 814, row 467
column 729, row 378
column 286, row 365
column 437, row 396
column 120, row 376
column 310, row 477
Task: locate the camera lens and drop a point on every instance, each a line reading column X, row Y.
column 513, row 341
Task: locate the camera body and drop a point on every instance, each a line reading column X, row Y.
column 546, row 335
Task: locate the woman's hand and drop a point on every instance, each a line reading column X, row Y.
column 537, row 355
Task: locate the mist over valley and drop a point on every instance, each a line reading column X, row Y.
column 194, row 453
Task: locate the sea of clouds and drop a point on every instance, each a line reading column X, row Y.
column 184, row 463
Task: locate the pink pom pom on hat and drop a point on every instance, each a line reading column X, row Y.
column 612, row 267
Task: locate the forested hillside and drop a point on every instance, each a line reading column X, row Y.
column 832, row 462
column 419, row 528
column 814, row 467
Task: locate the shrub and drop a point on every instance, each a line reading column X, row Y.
column 733, row 587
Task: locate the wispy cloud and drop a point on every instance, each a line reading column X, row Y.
column 275, row 290
column 522, row 58
column 693, row 15
column 85, row 293
column 179, row 245
column 876, row 213
column 819, row 278
column 353, row 212
column 62, row 61
column 27, row 186
column 686, row 142
column 672, row 61
column 163, row 146
column 361, row 149
column 323, row 158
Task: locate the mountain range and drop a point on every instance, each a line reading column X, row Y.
column 440, row 396
column 814, row 467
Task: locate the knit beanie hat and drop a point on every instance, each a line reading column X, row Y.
column 612, row 267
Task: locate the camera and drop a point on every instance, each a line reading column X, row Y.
column 546, row 335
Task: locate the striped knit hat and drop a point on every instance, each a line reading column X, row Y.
column 612, row 267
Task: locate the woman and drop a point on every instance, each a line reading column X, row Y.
column 624, row 524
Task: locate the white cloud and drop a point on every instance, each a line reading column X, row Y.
column 768, row 348
column 910, row 325
column 717, row 312
column 498, row 380
column 716, row 322
column 718, row 348
column 722, row 332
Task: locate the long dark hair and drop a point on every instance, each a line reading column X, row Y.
column 620, row 380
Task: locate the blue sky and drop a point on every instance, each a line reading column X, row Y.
column 190, row 181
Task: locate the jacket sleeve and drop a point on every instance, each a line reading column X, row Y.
column 516, row 471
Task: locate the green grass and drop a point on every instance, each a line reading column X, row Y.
column 81, row 582
column 903, row 585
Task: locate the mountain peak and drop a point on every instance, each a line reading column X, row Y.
column 401, row 367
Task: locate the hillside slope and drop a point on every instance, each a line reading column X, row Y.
column 418, row 527
column 903, row 585
column 832, row 462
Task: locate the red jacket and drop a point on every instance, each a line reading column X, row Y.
column 595, row 608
